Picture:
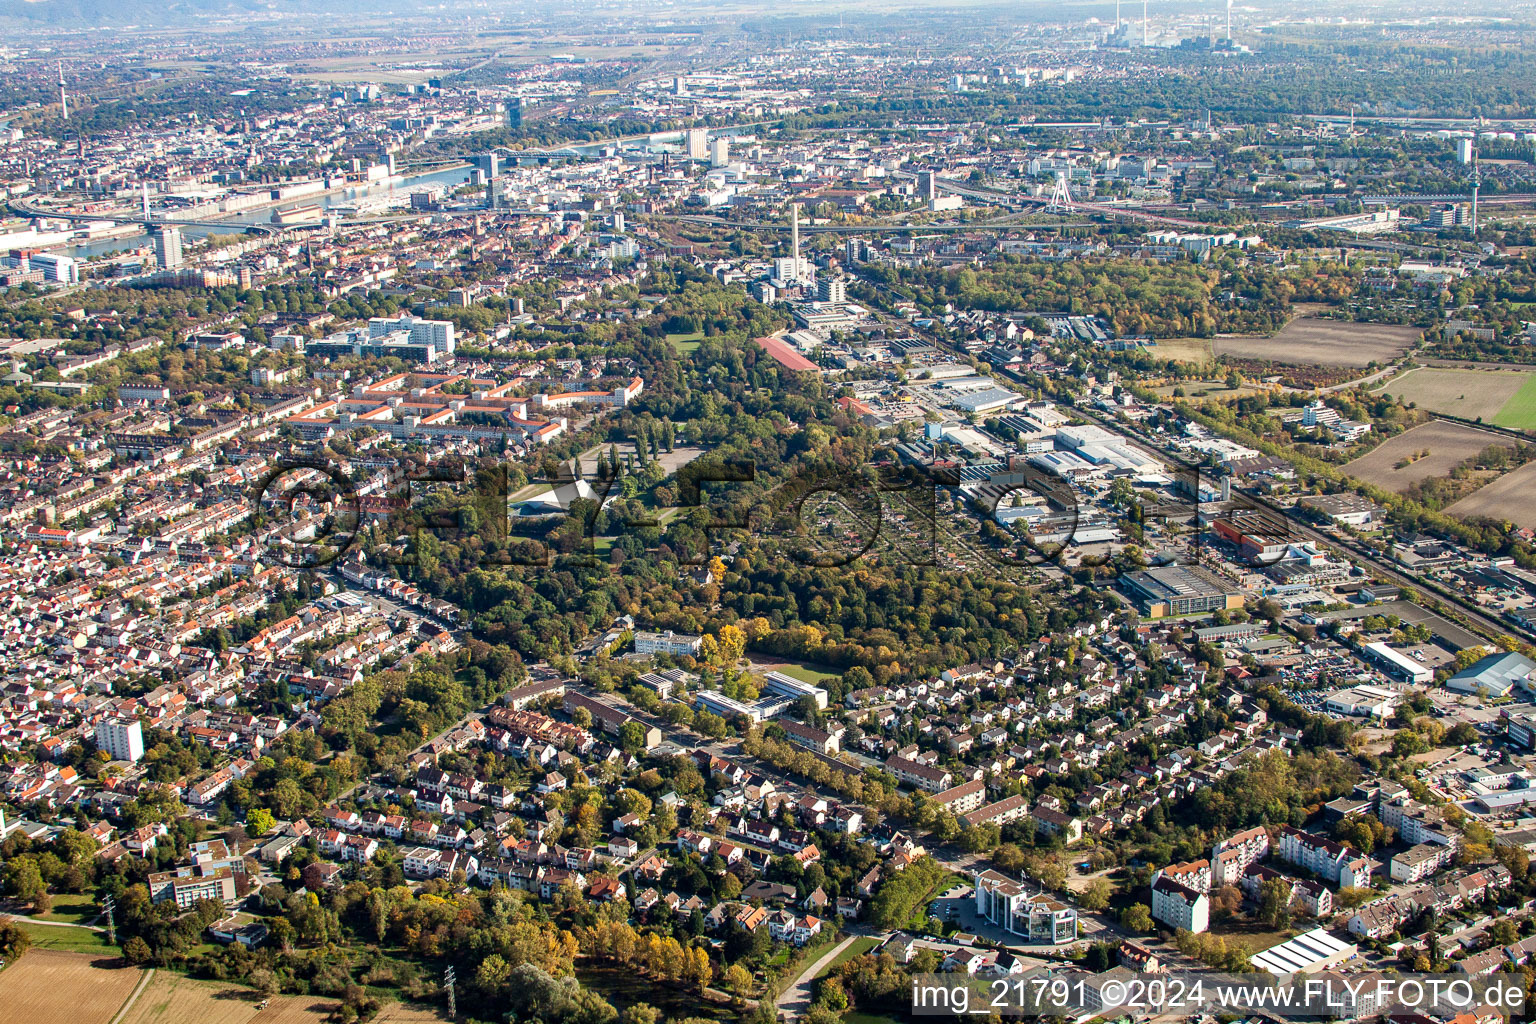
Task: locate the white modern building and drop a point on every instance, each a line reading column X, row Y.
column 123, row 740
column 667, row 643
column 1178, row 906
column 437, row 333
column 1013, row 907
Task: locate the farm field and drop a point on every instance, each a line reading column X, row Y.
column 1448, row 445
column 50, row 987
column 1470, row 394
column 1183, row 350
column 177, row 999
column 1324, row 343
column 1507, row 498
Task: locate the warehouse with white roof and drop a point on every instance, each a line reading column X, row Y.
column 1316, row 950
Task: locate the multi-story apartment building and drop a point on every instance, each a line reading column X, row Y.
column 934, row 780
column 1178, row 906
column 123, row 740
column 1233, row 855
column 668, row 643
column 964, row 798
column 1195, row 873
column 1333, row 862
column 185, row 886
column 1419, row 862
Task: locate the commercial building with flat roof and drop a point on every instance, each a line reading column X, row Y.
column 1179, row 590
column 1399, row 666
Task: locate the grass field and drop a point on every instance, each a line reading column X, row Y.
column 1519, row 413
column 1314, row 341
column 1470, row 394
column 50, row 987
column 1448, row 445
column 1507, row 498
column 68, row 940
column 1214, row 390
column 685, row 343
column 72, row 908
column 805, row 671
column 1184, row 350
column 858, row 947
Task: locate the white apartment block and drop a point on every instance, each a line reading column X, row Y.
column 123, row 740
column 1420, row 862
column 1333, row 862
column 1233, row 855
column 1195, row 874
column 1179, row 906
column 667, row 643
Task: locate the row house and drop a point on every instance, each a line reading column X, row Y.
column 347, row 847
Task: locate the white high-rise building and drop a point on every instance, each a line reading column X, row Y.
column 437, row 333
column 720, row 152
column 793, row 270
column 1464, row 151
column 698, row 143
column 832, row 289
column 122, row 740
column 1179, row 906
column 168, row 247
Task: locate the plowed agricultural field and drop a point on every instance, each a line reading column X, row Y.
column 49, row 987
column 177, row 999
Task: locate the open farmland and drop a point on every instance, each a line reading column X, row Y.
column 1448, row 444
column 50, row 987
column 47, row 987
column 1511, row 497
column 1470, row 394
column 1183, row 350
column 1310, row 340
column 175, row 999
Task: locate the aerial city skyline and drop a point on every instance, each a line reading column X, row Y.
column 681, row 513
